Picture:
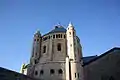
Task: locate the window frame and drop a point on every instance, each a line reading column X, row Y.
column 44, row 49
column 41, row 72
column 52, row 71
column 59, row 47
column 60, row 71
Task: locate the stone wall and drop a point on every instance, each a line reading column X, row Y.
column 107, row 67
column 6, row 74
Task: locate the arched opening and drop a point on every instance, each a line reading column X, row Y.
column 60, row 71
column 52, row 71
column 44, row 49
column 64, row 36
column 53, row 36
column 35, row 61
column 59, row 46
column 36, row 73
column 78, row 75
column 37, row 39
column 75, row 75
column 41, row 72
column 61, row 35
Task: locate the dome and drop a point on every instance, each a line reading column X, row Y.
column 57, row 29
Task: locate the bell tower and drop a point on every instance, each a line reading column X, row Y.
column 71, row 41
column 36, row 49
column 74, row 70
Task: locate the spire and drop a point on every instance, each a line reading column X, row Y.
column 70, row 24
column 38, row 31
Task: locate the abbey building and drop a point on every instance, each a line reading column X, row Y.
column 57, row 55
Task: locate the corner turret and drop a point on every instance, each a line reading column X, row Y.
column 73, row 64
column 36, row 50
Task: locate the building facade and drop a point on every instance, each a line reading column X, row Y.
column 56, row 55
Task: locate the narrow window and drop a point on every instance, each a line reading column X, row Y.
column 64, row 36
column 53, row 36
column 59, row 47
column 70, row 33
column 73, row 33
column 75, row 75
column 78, row 75
column 36, row 73
column 45, row 38
column 37, row 39
column 41, row 72
column 34, row 39
column 71, row 45
column 52, row 71
column 35, row 61
column 61, row 35
column 58, row 35
column 60, row 71
column 44, row 49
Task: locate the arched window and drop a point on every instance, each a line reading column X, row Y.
column 52, row 71
column 73, row 33
column 35, row 61
column 44, row 49
column 60, row 71
column 58, row 35
column 78, row 75
column 61, row 35
column 75, row 75
column 36, row 73
column 41, row 72
column 59, row 46
column 64, row 36
column 37, row 39
column 53, row 36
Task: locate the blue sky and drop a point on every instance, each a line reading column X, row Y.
column 97, row 23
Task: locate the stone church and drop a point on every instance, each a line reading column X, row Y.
column 57, row 55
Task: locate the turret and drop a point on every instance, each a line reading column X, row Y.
column 73, row 66
column 23, row 69
column 71, row 41
column 36, row 49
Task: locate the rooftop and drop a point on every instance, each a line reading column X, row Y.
column 57, row 29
